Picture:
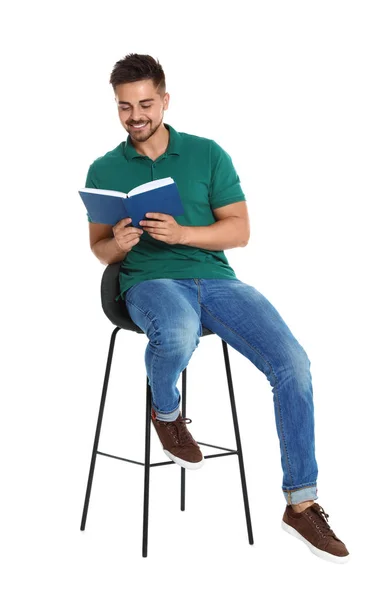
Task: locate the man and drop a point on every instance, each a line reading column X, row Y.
column 175, row 278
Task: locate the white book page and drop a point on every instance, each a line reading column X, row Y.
column 150, row 185
column 103, row 192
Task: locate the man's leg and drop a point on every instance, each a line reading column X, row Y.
column 246, row 320
column 168, row 312
column 243, row 317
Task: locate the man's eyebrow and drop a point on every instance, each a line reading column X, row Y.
column 140, row 101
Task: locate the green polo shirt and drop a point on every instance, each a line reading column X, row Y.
column 206, row 179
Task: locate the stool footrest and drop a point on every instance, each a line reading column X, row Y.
column 218, row 447
column 228, row 452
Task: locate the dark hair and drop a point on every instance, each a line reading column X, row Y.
column 135, row 67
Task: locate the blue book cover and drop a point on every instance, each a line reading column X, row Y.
column 110, row 206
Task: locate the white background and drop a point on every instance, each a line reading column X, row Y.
column 297, row 93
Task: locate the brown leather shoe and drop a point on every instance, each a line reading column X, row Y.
column 178, row 444
column 311, row 527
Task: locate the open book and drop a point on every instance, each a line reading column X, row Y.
column 110, row 206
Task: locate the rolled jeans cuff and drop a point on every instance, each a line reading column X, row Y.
column 172, row 416
column 301, row 495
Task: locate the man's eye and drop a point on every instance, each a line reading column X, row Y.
column 127, row 107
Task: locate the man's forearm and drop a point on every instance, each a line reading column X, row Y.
column 222, row 235
column 107, row 251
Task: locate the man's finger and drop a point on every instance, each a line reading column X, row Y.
column 161, row 216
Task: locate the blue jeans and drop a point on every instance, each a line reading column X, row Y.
column 172, row 312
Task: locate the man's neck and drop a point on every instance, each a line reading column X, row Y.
column 156, row 145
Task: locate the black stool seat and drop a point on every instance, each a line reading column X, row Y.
column 118, row 315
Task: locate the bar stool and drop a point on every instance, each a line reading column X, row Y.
column 118, row 315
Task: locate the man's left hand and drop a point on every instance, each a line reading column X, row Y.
column 164, row 228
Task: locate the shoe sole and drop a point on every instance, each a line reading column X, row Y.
column 319, row 553
column 184, row 463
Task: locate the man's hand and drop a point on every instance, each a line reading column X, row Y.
column 164, row 228
column 126, row 237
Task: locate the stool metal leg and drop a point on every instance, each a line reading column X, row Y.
column 147, row 470
column 147, row 444
column 183, row 412
column 238, row 443
column 98, row 428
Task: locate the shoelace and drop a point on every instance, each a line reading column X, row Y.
column 323, row 524
column 178, row 430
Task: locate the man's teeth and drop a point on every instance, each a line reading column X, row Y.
column 139, row 126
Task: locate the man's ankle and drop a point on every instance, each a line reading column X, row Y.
column 302, row 505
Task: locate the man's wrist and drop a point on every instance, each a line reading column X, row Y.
column 120, row 252
column 185, row 235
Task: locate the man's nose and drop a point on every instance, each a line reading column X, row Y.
column 135, row 116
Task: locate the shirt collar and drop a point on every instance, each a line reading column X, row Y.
column 173, row 147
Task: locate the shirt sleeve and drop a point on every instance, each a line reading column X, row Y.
column 225, row 185
column 90, row 182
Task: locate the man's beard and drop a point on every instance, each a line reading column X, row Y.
column 146, row 135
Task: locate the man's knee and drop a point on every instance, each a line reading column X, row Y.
column 183, row 336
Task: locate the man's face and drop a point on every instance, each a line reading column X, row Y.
column 140, row 104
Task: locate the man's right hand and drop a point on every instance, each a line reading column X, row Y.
column 126, row 237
